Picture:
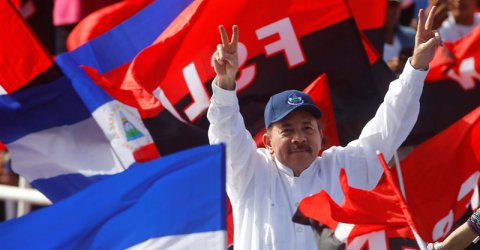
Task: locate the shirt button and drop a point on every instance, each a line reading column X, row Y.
column 299, row 229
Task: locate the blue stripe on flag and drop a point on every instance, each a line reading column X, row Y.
column 59, row 187
column 38, row 108
column 121, row 44
column 92, row 95
column 179, row 194
column 117, row 47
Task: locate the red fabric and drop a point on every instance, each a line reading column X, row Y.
column 319, row 90
column 359, row 207
column 368, row 14
column 229, row 223
column 133, row 94
column 389, row 238
column 102, row 21
column 16, row 3
column 23, row 56
column 372, row 53
column 146, row 153
column 392, row 181
column 435, row 172
column 451, row 55
column 3, row 147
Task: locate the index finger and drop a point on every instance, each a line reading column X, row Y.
column 223, row 35
column 421, row 20
column 234, row 41
column 431, row 16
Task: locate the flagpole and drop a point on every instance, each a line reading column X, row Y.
column 400, row 176
column 420, row 242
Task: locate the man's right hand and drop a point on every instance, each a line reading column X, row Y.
column 225, row 59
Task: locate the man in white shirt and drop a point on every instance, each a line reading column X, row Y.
column 265, row 185
column 460, row 21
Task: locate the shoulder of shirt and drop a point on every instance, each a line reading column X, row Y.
column 330, row 152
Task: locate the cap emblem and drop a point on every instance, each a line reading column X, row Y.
column 294, row 100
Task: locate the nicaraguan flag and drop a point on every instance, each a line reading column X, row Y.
column 64, row 131
column 176, row 202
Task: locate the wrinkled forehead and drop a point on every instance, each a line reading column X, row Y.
column 296, row 117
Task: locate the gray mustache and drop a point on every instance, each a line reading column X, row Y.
column 300, row 147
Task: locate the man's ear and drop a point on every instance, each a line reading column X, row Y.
column 267, row 142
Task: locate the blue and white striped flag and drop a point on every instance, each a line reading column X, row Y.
column 176, row 202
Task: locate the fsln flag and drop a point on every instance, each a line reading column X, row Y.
column 452, row 88
column 452, row 178
column 136, row 209
column 370, row 19
column 357, row 221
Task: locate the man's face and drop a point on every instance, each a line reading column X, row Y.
column 295, row 140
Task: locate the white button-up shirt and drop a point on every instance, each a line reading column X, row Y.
column 265, row 194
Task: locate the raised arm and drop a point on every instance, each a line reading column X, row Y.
column 226, row 123
column 396, row 116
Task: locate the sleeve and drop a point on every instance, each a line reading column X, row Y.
column 391, row 125
column 227, row 126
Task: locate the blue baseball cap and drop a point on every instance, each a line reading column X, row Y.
column 281, row 104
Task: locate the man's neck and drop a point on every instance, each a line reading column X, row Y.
column 297, row 173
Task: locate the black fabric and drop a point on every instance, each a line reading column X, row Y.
column 376, row 37
column 442, row 103
column 324, row 236
column 41, row 23
column 61, row 35
column 171, row 135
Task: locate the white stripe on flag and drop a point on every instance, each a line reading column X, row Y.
column 2, row 91
column 198, row 241
column 343, row 230
column 77, row 148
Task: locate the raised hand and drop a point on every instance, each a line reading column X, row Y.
column 225, row 59
column 426, row 40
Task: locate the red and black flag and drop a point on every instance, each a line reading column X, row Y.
column 451, row 89
column 370, row 19
column 441, row 178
